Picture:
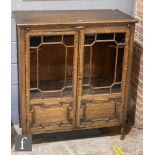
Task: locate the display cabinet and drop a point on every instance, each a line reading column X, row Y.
column 74, row 69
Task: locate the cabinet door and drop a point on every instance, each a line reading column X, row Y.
column 51, row 77
column 102, row 70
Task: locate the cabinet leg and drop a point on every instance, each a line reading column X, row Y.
column 122, row 133
column 20, row 124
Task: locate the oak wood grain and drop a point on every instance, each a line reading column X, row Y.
column 80, row 110
column 71, row 17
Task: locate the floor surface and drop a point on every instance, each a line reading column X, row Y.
column 87, row 142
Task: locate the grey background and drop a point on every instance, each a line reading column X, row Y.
column 126, row 6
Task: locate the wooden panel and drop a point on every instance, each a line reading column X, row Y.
column 100, row 109
column 50, row 114
column 22, row 78
column 54, row 115
column 71, row 17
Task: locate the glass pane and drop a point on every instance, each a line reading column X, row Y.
column 51, row 70
column 86, row 66
column 105, row 36
column 89, row 38
column 103, row 64
column 102, row 91
column 120, row 37
column 52, row 67
column 67, row 92
column 119, row 64
column 87, row 90
column 68, row 40
column 52, row 38
column 49, row 94
column 116, row 88
column 35, row 94
column 35, row 41
column 102, row 70
column 33, row 68
column 69, row 68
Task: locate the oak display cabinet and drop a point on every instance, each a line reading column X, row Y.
column 74, row 69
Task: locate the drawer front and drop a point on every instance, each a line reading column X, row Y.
column 50, row 116
column 100, row 111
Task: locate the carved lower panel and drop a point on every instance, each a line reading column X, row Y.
column 53, row 116
column 94, row 111
column 103, row 110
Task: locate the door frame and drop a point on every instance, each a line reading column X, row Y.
column 105, row 29
column 46, row 102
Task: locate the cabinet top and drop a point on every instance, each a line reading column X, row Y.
column 32, row 18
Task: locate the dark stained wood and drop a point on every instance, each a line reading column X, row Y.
column 30, row 18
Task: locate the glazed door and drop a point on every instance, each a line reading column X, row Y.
column 51, row 79
column 102, row 60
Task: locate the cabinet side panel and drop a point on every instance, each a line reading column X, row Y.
column 128, row 75
column 21, row 68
